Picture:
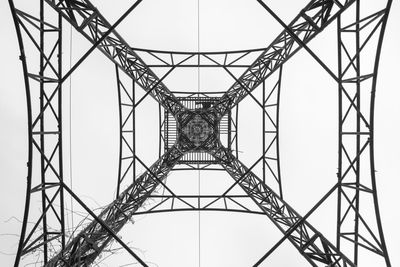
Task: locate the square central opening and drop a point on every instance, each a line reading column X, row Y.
column 198, row 127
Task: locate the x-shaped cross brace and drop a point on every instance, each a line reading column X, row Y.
column 197, row 131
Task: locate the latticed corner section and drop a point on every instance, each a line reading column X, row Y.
column 170, row 129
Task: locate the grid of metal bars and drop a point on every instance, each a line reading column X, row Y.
column 171, row 129
column 44, row 123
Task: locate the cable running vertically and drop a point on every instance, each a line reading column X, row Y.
column 198, row 93
column 70, row 130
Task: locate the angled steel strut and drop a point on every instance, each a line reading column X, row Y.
column 91, row 241
column 88, row 21
column 317, row 250
column 311, row 21
column 199, row 132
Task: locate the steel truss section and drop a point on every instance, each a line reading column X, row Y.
column 88, row 21
column 45, row 232
column 270, row 132
column 317, row 250
column 85, row 247
column 198, row 160
column 42, row 72
column 199, row 130
column 173, row 59
column 127, row 131
column 312, row 20
column 360, row 39
column 228, row 129
column 165, row 200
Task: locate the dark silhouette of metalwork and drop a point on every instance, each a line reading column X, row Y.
column 198, row 131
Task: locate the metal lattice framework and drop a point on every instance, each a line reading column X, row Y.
column 199, row 131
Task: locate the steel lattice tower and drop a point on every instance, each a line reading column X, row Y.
column 198, row 131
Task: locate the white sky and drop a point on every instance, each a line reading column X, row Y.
column 308, row 121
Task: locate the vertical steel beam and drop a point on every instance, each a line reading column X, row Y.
column 271, row 173
column 121, row 140
column 60, row 129
column 161, row 131
column 24, row 64
column 358, row 139
column 44, row 230
column 277, row 118
column 42, row 129
column 134, row 131
column 263, row 130
column 127, row 130
column 340, row 131
column 237, row 131
column 359, row 38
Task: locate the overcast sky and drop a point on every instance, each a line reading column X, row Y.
column 308, row 132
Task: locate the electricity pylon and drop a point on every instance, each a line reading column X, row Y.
column 199, row 131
